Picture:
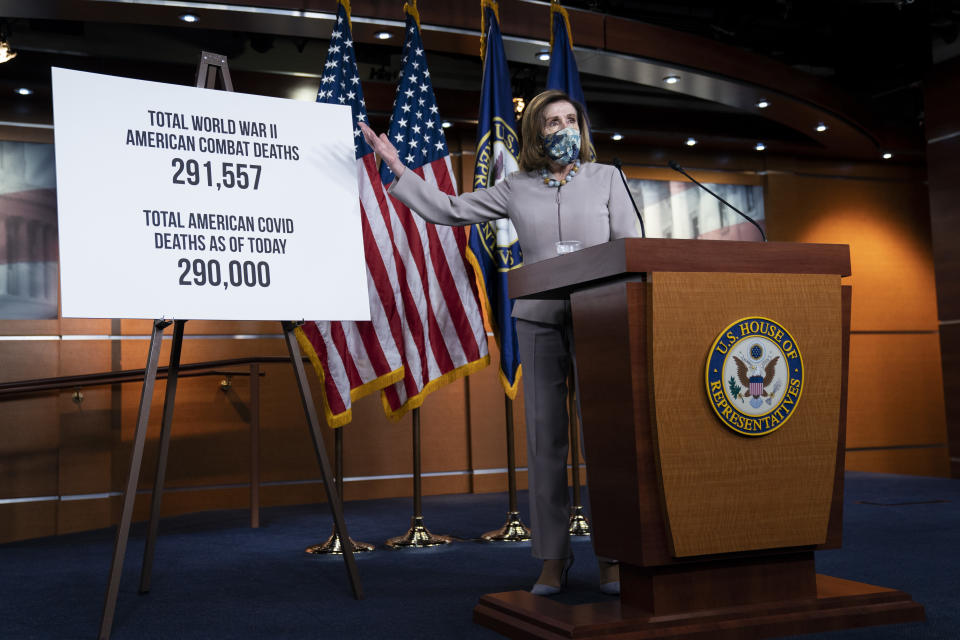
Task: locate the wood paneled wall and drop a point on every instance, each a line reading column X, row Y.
column 68, row 460
column 941, row 96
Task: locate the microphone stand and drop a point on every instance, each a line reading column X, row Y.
column 619, row 166
column 676, row 167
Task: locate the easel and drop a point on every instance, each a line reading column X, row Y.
column 212, row 67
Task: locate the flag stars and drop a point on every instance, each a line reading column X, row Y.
column 351, row 95
column 402, row 122
column 433, row 108
column 356, row 134
column 408, row 93
column 330, row 64
column 416, row 128
column 336, row 35
column 406, row 108
column 415, row 65
column 413, row 142
column 419, row 51
column 409, row 157
column 429, row 124
column 439, row 145
column 342, row 99
column 424, row 86
column 398, row 138
column 421, row 101
column 335, row 48
column 355, row 80
column 348, row 43
column 419, row 114
column 361, row 117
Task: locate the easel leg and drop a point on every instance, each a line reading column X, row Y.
column 130, row 492
column 173, row 372
column 328, row 483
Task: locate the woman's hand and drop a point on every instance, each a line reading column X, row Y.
column 384, row 148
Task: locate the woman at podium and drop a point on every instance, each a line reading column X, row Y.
column 558, row 201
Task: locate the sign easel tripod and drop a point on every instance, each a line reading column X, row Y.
column 212, row 67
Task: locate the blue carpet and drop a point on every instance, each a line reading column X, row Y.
column 214, row 577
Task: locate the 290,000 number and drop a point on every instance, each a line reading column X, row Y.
column 208, row 272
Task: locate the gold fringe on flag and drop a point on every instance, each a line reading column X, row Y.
column 410, row 8
column 555, row 7
column 483, row 23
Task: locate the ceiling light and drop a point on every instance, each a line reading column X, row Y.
column 24, row 91
column 6, row 53
column 671, row 79
column 759, row 146
column 821, row 127
column 617, row 136
column 887, row 155
column 446, row 124
column 189, row 17
column 690, row 142
column 762, row 103
column 383, row 35
column 543, row 55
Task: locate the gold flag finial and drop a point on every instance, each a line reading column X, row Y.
column 483, row 23
column 556, row 7
column 410, row 8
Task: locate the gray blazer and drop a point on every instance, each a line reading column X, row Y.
column 593, row 208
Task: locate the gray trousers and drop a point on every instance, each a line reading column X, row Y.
column 546, row 353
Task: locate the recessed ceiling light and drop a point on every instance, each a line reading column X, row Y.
column 543, row 55
column 762, row 103
column 887, row 155
column 759, row 146
column 383, row 35
column 446, row 124
column 671, row 79
column 690, row 142
column 617, row 136
column 821, row 127
column 189, row 17
column 24, row 91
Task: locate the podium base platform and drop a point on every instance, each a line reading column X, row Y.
column 840, row 604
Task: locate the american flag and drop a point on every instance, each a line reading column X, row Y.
column 444, row 336
column 357, row 358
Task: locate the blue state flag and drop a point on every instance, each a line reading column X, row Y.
column 493, row 249
column 563, row 73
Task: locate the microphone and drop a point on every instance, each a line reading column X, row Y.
column 673, row 165
column 619, row 166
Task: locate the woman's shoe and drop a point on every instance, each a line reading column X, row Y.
column 609, row 577
column 541, row 589
column 610, row 588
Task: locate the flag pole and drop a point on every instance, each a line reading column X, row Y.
column 579, row 526
column 333, row 544
column 513, row 530
column 418, row 535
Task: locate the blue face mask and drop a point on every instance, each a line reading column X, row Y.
column 563, row 147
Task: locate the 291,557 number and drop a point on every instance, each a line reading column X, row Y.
column 231, row 175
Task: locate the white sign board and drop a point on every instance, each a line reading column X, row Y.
column 186, row 203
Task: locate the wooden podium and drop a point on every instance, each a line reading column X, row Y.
column 715, row 531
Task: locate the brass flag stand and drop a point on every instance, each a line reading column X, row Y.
column 211, row 68
column 579, row 526
column 333, row 544
column 513, row 529
column 418, row 535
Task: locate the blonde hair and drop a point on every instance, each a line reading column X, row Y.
column 532, row 156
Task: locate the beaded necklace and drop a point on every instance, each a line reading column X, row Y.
column 553, row 182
